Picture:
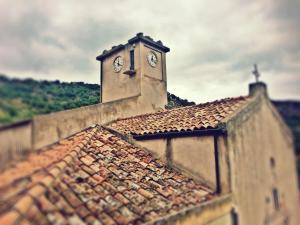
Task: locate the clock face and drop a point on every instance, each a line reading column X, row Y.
column 152, row 59
column 118, row 64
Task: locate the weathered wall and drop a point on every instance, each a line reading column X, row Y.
column 154, row 79
column 254, row 138
column 119, row 85
column 154, row 92
column 193, row 154
column 196, row 155
column 224, row 164
column 50, row 128
column 224, row 220
column 15, row 141
column 153, row 72
column 156, row 146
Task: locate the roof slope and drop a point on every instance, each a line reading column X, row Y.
column 103, row 180
column 197, row 117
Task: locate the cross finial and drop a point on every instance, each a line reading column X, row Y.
column 256, row 73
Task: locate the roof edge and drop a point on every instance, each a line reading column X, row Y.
column 245, row 107
column 110, row 52
column 138, row 38
column 147, row 40
column 220, row 130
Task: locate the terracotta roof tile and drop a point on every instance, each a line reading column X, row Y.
column 197, row 117
column 110, row 183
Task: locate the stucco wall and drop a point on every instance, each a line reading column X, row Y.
column 154, row 79
column 195, row 155
column 224, row 164
column 15, row 142
column 153, row 72
column 154, row 92
column 50, row 128
column 119, row 85
column 156, row 146
column 224, row 220
column 254, row 138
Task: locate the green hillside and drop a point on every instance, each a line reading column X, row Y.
column 20, row 99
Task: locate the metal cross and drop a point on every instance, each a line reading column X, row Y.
column 256, row 73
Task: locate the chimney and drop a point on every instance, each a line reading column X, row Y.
column 258, row 88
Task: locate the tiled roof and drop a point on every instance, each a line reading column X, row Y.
column 197, row 117
column 103, row 180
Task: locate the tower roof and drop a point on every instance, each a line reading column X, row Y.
column 138, row 38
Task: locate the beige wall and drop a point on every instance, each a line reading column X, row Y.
column 224, row 220
column 195, row 155
column 153, row 72
column 154, row 93
column 14, row 142
column 119, row 85
column 154, row 79
column 156, row 146
column 224, row 164
column 53, row 127
column 253, row 139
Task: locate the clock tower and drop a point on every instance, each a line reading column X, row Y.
column 135, row 69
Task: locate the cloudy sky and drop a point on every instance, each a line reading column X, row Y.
column 214, row 43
